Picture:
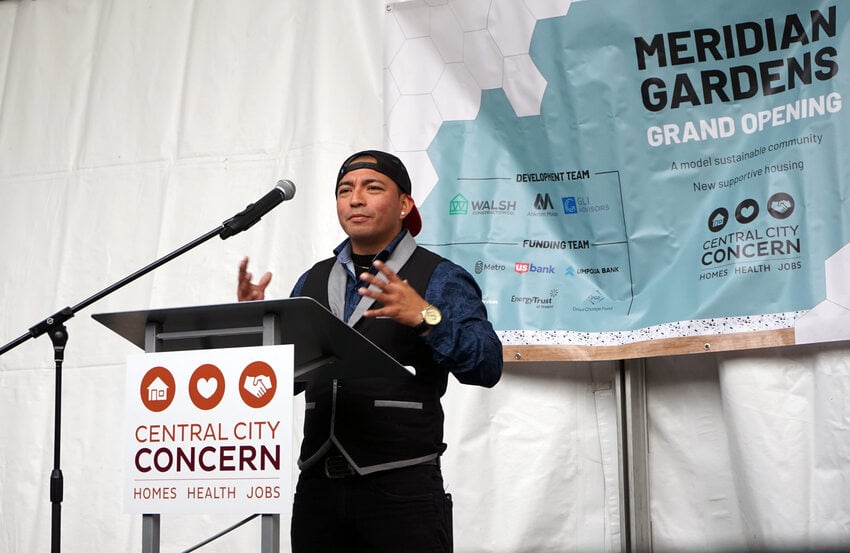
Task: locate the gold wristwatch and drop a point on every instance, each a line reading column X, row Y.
column 431, row 317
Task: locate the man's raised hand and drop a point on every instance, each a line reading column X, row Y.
column 247, row 290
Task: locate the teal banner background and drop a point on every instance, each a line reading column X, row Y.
column 688, row 167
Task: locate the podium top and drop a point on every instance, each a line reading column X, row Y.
column 325, row 347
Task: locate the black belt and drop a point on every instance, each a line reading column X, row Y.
column 337, row 466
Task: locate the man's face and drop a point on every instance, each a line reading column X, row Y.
column 369, row 206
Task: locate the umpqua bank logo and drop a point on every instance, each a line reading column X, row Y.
column 458, row 205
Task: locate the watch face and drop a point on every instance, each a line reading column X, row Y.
column 431, row 315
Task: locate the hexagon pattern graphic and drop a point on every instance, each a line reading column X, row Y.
column 829, row 319
column 441, row 54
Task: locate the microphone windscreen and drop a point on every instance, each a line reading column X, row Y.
column 287, row 187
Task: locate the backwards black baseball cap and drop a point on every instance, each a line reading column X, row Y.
column 391, row 166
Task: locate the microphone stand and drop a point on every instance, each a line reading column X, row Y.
column 54, row 325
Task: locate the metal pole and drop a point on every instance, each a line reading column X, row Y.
column 637, row 534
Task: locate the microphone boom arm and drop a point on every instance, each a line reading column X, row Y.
column 284, row 190
column 66, row 313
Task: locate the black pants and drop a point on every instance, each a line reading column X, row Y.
column 402, row 510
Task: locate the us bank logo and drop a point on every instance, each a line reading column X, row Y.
column 458, row 205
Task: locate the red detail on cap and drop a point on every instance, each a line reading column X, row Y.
column 413, row 222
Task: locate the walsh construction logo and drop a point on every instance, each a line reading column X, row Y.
column 458, row 205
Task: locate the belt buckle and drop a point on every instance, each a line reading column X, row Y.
column 337, row 466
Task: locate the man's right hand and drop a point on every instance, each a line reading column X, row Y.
column 247, row 290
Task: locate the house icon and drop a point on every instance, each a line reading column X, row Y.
column 718, row 221
column 458, row 205
column 157, row 390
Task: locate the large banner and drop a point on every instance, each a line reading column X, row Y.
column 632, row 178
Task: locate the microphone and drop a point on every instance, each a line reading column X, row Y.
column 245, row 219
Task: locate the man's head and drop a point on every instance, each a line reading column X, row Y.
column 373, row 200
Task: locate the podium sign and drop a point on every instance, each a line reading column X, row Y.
column 209, row 431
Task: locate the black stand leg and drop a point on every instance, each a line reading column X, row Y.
column 59, row 337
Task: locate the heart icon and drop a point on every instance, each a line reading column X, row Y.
column 207, row 387
column 747, row 212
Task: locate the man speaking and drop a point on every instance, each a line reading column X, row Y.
column 370, row 459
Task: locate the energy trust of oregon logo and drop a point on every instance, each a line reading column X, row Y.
column 207, row 386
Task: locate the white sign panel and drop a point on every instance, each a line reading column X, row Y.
column 209, row 431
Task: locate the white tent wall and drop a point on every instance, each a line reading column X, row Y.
column 750, row 450
column 130, row 128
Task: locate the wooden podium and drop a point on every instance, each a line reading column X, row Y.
column 325, row 347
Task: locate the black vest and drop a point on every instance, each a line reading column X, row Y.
column 379, row 423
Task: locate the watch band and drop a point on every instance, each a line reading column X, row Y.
column 422, row 327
